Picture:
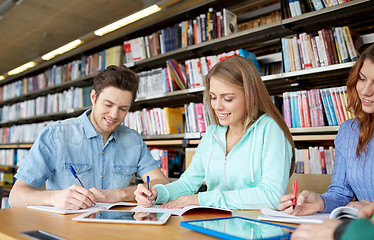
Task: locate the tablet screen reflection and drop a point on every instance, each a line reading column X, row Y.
column 125, row 215
column 244, row 229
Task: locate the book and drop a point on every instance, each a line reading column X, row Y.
column 337, row 213
column 177, row 211
column 98, row 206
column 229, row 22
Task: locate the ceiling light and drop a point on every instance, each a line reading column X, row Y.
column 127, row 20
column 2, row 77
column 22, row 68
column 62, row 49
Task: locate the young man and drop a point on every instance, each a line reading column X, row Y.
column 104, row 153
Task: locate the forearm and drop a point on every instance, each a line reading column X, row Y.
column 28, row 196
column 117, row 195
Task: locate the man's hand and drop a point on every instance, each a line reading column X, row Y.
column 73, row 198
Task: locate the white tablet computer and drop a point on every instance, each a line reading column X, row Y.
column 121, row 216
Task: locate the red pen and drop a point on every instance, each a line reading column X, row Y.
column 294, row 193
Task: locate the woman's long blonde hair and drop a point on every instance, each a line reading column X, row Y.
column 241, row 73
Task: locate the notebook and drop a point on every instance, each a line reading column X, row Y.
column 176, row 211
column 280, row 216
column 98, row 206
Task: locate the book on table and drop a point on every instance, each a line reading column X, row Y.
column 281, row 216
column 98, row 206
column 177, row 211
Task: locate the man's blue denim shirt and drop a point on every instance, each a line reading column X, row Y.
column 75, row 142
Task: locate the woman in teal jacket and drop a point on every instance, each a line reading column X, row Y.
column 244, row 158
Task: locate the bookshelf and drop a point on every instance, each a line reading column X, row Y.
column 263, row 40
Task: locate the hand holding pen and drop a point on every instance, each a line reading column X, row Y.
column 145, row 195
column 76, row 176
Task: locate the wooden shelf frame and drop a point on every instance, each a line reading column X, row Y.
column 274, row 30
column 269, row 31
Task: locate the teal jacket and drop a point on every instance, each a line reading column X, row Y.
column 359, row 229
column 253, row 175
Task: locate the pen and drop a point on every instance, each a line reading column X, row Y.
column 149, row 200
column 294, row 193
column 76, row 176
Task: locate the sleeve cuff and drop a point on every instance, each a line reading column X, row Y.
column 162, row 194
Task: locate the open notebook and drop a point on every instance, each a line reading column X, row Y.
column 280, row 216
column 176, row 211
column 98, row 206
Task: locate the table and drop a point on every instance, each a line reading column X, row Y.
column 16, row 220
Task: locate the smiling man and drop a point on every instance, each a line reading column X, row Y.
column 104, row 153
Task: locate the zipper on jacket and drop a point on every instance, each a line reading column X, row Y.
column 224, row 160
column 224, row 171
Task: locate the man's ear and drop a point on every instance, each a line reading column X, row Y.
column 93, row 96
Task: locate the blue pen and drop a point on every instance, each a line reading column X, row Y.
column 149, row 200
column 76, row 176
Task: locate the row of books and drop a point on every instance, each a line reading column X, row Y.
column 205, row 27
column 315, row 160
column 197, row 117
column 312, row 108
column 12, row 157
column 327, row 47
column 56, row 75
column 260, row 21
column 170, row 161
column 67, row 100
column 177, row 76
column 293, row 8
column 162, row 80
column 156, row 121
column 25, row 133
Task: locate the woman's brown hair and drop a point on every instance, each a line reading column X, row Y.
column 365, row 120
column 241, row 73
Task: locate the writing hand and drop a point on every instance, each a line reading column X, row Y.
column 142, row 194
column 308, row 202
column 73, row 198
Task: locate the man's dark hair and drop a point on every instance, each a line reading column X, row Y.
column 119, row 77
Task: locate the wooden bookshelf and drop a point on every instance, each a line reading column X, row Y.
column 263, row 38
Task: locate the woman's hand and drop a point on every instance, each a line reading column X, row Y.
column 182, row 201
column 307, row 203
column 145, row 197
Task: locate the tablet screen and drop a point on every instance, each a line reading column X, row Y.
column 120, row 216
column 239, row 228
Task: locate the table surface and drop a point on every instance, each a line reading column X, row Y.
column 13, row 221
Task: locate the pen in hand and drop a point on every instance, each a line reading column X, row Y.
column 76, row 176
column 149, row 199
column 294, row 193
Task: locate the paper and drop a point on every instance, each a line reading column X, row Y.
column 175, row 211
column 96, row 207
column 280, row 216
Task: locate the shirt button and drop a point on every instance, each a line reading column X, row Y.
column 77, row 170
column 126, row 173
column 102, row 153
column 101, row 176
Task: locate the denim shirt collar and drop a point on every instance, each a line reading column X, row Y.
column 89, row 128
